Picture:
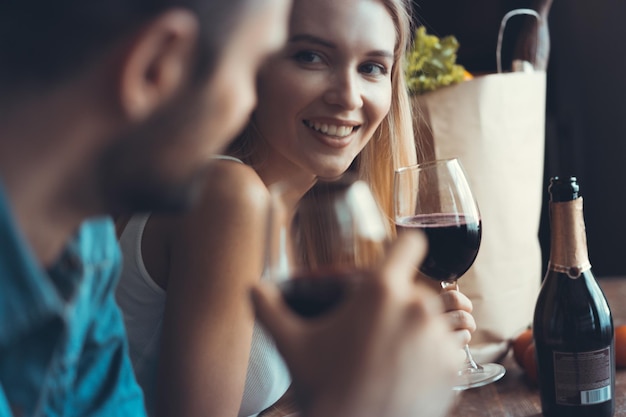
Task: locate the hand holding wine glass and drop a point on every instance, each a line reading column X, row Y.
column 384, row 351
column 435, row 197
column 359, row 335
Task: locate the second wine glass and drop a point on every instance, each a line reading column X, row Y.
column 435, row 197
column 319, row 244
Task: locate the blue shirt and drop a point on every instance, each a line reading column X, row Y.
column 63, row 349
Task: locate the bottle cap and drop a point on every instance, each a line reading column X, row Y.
column 563, row 189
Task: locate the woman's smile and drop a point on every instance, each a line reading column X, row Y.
column 331, row 129
column 335, row 134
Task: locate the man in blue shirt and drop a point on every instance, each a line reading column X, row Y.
column 62, row 349
column 99, row 113
column 115, row 106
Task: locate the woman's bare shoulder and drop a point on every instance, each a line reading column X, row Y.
column 232, row 196
column 228, row 182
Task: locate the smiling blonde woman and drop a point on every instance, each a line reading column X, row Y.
column 334, row 99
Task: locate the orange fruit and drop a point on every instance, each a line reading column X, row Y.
column 520, row 343
column 620, row 346
column 530, row 364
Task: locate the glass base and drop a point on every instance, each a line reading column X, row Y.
column 477, row 377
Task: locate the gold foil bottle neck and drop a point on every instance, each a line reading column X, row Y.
column 568, row 243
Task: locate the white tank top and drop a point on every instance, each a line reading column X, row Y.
column 143, row 301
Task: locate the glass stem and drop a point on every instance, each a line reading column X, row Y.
column 469, row 360
column 470, row 363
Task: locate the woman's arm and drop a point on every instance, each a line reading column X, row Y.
column 215, row 256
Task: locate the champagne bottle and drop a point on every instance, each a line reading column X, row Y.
column 572, row 326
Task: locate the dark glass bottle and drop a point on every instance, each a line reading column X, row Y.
column 572, row 327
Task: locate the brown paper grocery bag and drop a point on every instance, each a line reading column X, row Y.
column 495, row 125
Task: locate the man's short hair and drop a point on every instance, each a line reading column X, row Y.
column 44, row 42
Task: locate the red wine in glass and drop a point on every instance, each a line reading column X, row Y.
column 435, row 197
column 315, row 293
column 453, row 243
column 321, row 244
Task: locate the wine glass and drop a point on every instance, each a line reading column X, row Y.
column 319, row 244
column 435, row 197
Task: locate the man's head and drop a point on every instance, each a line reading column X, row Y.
column 174, row 80
column 44, row 43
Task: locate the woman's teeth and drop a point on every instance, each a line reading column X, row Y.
column 331, row 130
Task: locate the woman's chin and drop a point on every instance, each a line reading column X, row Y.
column 330, row 173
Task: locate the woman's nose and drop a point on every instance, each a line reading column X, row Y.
column 344, row 90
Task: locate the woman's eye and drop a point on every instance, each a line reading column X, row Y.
column 373, row 69
column 307, row 57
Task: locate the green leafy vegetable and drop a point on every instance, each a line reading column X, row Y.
column 431, row 63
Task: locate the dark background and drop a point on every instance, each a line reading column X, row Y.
column 585, row 103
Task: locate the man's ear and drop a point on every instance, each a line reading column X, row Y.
column 157, row 63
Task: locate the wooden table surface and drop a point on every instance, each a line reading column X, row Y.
column 513, row 396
